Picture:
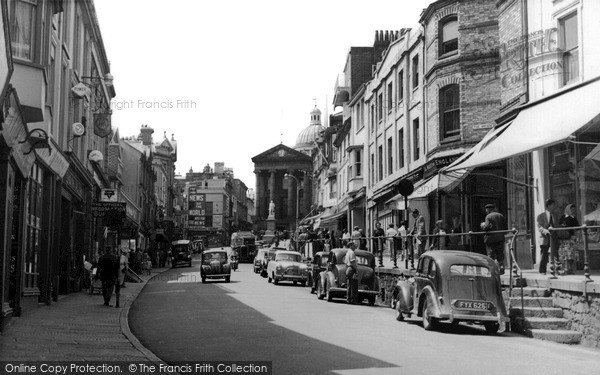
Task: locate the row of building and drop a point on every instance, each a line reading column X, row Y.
column 482, row 102
column 69, row 184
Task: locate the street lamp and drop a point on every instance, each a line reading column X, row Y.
column 297, row 185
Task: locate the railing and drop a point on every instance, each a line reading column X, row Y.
column 586, row 266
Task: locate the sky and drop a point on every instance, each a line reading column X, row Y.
column 232, row 79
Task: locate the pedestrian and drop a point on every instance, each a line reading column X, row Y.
column 494, row 242
column 454, row 241
column 363, row 240
column 108, row 270
column 123, row 265
column 567, row 239
column 402, row 232
column 356, row 236
column 378, row 235
column 440, row 239
column 418, row 232
column 351, row 275
column 345, row 237
column 546, row 220
column 146, row 263
column 390, row 235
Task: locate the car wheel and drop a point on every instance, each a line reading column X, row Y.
column 371, row 300
column 320, row 294
column 491, row 327
column 227, row 279
column 429, row 322
column 399, row 315
column 203, row 279
column 303, row 283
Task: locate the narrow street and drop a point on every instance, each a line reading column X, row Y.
column 180, row 319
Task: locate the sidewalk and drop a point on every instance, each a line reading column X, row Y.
column 77, row 327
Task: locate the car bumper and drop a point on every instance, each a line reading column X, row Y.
column 217, row 276
column 281, row 277
column 471, row 317
column 360, row 291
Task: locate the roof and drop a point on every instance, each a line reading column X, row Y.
column 446, row 258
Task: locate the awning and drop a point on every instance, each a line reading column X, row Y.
column 435, row 183
column 331, row 218
column 538, row 125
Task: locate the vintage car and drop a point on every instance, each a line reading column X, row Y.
column 181, row 253
column 287, row 266
column 332, row 282
column 452, row 286
column 262, row 261
column 258, row 260
column 215, row 264
column 318, row 265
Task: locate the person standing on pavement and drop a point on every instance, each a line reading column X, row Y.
column 402, row 232
column 351, row 275
column 390, row 235
column 108, row 271
column 418, row 232
column 494, row 242
column 545, row 221
column 356, row 236
column 123, row 265
column 378, row 233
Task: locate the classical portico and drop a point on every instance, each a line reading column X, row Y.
column 271, row 168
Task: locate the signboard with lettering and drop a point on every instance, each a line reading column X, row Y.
column 432, row 167
column 99, row 209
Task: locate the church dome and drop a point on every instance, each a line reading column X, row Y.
column 307, row 136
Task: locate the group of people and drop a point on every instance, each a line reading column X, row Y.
column 558, row 244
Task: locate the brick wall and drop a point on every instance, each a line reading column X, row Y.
column 512, row 59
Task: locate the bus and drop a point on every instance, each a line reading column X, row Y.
column 245, row 244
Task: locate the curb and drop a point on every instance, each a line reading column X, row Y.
column 124, row 320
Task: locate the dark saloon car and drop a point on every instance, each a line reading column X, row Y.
column 333, row 284
column 181, row 253
column 215, row 264
column 318, row 265
column 453, row 286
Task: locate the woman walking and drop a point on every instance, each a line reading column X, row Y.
column 567, row 239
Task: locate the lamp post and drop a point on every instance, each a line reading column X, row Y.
column 297, row 184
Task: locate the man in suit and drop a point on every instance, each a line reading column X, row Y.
column 418, row 231
column 494, row 242
column 547, row 220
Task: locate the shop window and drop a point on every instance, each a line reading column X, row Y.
column 449, row 111
column 448, row 37
column 34, row 228
column 570, row 46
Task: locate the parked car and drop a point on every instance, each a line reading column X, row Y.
column 258, row 258
column 181, row 253
column 215, row 264
column 332, row 283
column 318, row 265
column 287, row 266
column 452, row 286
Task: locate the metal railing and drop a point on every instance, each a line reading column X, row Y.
column 584, row 230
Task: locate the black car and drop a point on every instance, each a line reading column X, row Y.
column 318, row 265
column 215, row 264
column 181, row 253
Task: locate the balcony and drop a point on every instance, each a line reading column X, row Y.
column 341, row 91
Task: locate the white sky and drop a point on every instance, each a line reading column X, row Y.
column 248, row 70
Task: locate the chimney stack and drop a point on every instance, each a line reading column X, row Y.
column 146, row 135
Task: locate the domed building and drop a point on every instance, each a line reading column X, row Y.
column 307, row 137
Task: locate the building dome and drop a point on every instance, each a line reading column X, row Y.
column 306, row 138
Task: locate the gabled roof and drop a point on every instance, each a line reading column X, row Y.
column 281, row 152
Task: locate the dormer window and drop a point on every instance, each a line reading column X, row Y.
column 448, row 35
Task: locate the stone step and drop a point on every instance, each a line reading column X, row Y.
column 559, row 336
column 532, row 302
column 545, row 323
column 530, row 292
column 537, row 312
column 538, row 283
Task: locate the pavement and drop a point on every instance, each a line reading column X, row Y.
column 77, row 327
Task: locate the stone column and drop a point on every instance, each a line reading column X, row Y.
column 259, row 193
column 272, row 186
column 292, row 190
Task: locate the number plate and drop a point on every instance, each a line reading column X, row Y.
column 472, row 305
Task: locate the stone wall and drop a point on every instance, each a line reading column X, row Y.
column 583, row 312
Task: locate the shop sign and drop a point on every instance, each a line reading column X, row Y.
column 81, row 90
column 102, row 126
column 415, row 175
column 432, row 167
column 100, row 209
column 109, row 195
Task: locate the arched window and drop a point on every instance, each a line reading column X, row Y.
column 448, row 35
column 449, row 111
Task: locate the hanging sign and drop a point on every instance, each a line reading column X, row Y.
column 102, row 124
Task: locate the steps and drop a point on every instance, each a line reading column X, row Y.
column 538, row 318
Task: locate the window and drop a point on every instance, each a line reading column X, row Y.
column 390, row 97
column 415, row 72
column 400, row 85
column 380, row 107
column 380, row 167
column 448, row 29
column 34, row 228
column 372, row 172
column 23, row 29
column 416, row 139
column 390, row 156
column 570, row 46
column 372, row 118
column 450, row 111
column 358, row 163
column 401, row 148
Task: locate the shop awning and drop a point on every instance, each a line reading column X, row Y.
column 332, row 218
column 432, row 185
column 538, row 125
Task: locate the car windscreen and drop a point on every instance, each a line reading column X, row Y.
column 470, row 270
column 179, row 248
column 288, row 257
column 215, row 256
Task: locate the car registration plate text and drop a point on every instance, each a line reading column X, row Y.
column 472, row 305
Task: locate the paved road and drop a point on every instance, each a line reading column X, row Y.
column 179, row 318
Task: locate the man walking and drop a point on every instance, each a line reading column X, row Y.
column 108, row 268
column 418, row 232
column 494, row 242
column 378, row 233
column 545, row 221
column 390, row 234
column 351, row 275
